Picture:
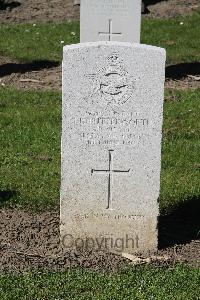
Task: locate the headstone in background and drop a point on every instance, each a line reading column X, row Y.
column 111, row 145
column 110, row 20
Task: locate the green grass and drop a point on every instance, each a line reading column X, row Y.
column 133, row 283
column 30, row 142
column 43, row 41
column 181, row 42
column 180, row 153
column 30, row 149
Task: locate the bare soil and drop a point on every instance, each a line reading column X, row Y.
column 171, row 8
column 60, row 10
column 31, row 241
column 40, row 75
column 40, row 11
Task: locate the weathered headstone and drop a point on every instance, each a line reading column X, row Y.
column 110, row 20
column 111, row 145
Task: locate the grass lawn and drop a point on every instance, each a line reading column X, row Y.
column 43, row 41
column 132, row 283
column 30, row 149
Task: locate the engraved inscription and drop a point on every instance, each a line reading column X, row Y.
column 108, row 216
column 110, row 32
column 105, row 130
column 110, row 172
column 107, row 121
column 108, row 7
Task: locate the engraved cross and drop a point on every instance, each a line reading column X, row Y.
column 110, row 32
column 110, row 172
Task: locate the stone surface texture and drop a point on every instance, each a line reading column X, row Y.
column 111, row 145
column 110, row 20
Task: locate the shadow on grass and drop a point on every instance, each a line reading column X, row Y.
column 151, row 2
column 182, row 225
column 8, row 5
column 179, row 71
column 6, row 195
column 9, row 68
column 146, row 3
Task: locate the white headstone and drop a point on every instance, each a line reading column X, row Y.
column 111, row 145
column 110, row 20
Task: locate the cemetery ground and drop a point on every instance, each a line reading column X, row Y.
column 24, row 11
column 33, row 266
column 23, row 65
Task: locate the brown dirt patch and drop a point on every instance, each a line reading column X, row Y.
column 31, row 241
column 40, row 75
column 171, row 8
column 40, row 11
column 47, row 75
column 184, row 84
column 61, row 10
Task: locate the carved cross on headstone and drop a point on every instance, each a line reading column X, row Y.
column 110, row 172
column 110, row 32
